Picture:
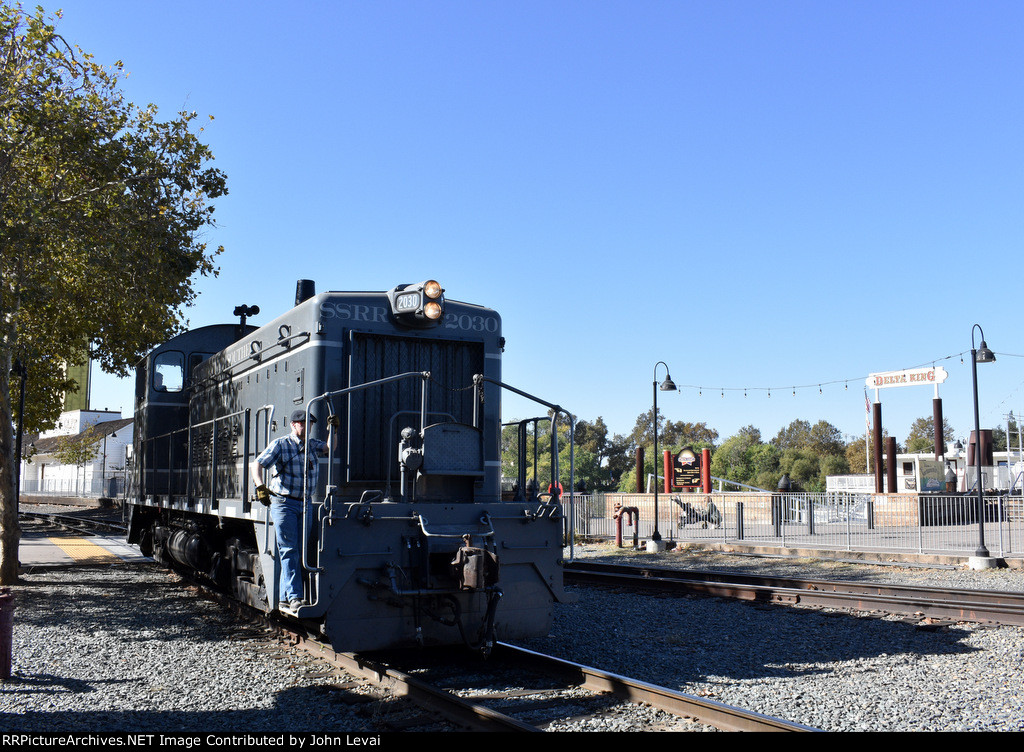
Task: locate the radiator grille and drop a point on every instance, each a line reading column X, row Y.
column 372, row 435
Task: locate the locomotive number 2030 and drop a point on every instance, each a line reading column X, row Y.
column 470, row 322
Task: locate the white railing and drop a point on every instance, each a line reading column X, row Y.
column 111, row 486
column 929, row 524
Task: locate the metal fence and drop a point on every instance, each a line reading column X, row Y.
column 927, row 524
column 112, row 486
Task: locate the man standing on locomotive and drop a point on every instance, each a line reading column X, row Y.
column 288, row 493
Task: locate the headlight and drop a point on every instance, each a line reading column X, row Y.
column 432, row 289
column 418, row 305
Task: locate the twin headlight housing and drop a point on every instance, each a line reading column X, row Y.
column 419, row 304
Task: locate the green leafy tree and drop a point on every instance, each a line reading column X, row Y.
column 101, row 209
column 77, row 450
column 765, row 460
column 797, row 434
column 857, row 455
column 826, row 439
column 922, row 434
column 744, row 458
column 679, row 434
column 734, row 459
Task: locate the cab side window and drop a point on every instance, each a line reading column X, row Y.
column 169, row 372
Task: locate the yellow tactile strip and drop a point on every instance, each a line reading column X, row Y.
column 84, row 551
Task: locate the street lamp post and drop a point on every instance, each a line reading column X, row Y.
column 666, row 386
column 984, row 355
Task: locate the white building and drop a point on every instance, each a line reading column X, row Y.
column 43, row 474
column 922, row 472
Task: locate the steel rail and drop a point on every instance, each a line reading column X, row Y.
column 724, row 717
column 480, row 717
column 998, row 607
column 77, row 524
column 449, row 705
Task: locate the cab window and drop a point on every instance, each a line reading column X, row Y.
column 169, row 372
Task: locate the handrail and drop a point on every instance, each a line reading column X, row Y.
column 554, row 449
column 424, row 375
column 737, row 483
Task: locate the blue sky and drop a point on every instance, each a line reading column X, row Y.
column 763, row 195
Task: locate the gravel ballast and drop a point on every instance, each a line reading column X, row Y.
column 828, row 669
column 129, row 648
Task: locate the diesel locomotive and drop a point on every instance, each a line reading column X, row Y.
column 408, row 540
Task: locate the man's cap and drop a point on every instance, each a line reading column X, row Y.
column 299, row 416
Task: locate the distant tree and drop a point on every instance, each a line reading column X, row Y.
column 593, row 436
column 744, row 458
column 797, row 434
column 679, row 434
column 750, row 431
column 620, row 459
column 78, row 450
column 826, row 439
column 765, row 460
column 734, row 459
column 857, row 455
column 643, row 430
column 922, row 434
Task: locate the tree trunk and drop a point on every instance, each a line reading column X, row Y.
column 10, row 532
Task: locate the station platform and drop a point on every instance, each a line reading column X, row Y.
column 58, row 549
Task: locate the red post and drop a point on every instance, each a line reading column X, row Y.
column 666, row 463
column 705, row 470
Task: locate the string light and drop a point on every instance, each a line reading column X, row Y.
column 821, row 391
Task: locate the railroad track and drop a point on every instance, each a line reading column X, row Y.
column 547, row 692
column 513, row 690
column 928, row 603
column 76, row 523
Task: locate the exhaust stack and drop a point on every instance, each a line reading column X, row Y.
column 304, row 290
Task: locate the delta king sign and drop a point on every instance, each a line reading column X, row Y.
column 913, row 377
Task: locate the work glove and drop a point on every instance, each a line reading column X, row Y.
column 263, row 495
column 333, row 421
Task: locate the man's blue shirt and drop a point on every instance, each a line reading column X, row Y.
column 285, row 455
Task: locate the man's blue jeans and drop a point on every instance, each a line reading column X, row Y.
column 286, row 515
